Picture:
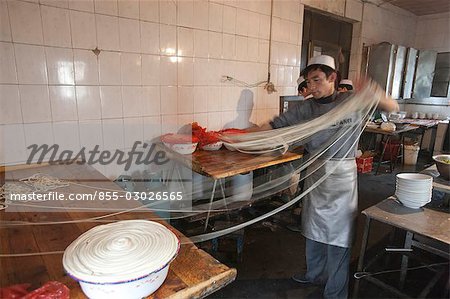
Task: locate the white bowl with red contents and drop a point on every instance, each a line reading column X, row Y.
column 180, row 143
column 215, row 146
column 125, row 259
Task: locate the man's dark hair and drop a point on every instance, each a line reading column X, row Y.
column 324, row 68
column 348, row 86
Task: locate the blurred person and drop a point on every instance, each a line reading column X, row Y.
column 303, row 88
column 345, row 85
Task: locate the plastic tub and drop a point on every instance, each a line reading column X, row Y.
column 241, row 188
column 411, row 154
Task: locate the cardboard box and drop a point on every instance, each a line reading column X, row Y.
column 364, row 165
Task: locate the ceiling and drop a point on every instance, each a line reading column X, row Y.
column 418, row 7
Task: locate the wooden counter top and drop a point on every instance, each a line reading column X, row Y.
column 224, row 163
column 193, row 274
column 427, row 123
column 384, row 132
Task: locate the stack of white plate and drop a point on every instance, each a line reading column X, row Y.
column 414, row 190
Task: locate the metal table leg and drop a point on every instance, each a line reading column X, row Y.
column 224, row 197
column 404, row 267
column 382, row 153
column 168, row 176
column 180, row 179
column 403, row 149
column 361, row 256
column 433, row 140
column 210, row 204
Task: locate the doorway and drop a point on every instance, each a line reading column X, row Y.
column 323, row 34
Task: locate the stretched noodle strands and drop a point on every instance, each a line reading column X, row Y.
column 274, row 140
column 363, row 102
column 44, row 182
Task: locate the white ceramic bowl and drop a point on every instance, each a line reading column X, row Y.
column 394, row 116
column 412, row 205
column 414, row 191
column 125, row 259
column 182, row 148
column 213, row 146
column 416, row 177
column 414, row 198
column 414, row 183
column 426, row 189
column 139, row 288
column 413, row 201
column 420, row 197
column 419, row 200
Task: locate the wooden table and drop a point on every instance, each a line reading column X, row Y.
column 426, row 123
column 386, row 136
column 193, row 274
column 421, row 222
column 222, row 164
column 422, row 126
column 389, row 133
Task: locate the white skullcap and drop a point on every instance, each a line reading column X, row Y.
column 300, row 80
column 323, row 59
column 346, row 81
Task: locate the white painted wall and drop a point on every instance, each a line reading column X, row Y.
column 388, row 23
column 433, row 32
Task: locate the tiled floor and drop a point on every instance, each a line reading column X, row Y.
column 272, row 253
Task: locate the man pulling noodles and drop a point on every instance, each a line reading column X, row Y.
column 329, row 209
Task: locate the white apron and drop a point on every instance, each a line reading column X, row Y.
column 330, row 209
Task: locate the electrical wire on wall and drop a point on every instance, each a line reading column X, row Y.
column 269, row 86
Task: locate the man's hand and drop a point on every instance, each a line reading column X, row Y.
column 264, row 127
column 360, row 83
column 386, row 103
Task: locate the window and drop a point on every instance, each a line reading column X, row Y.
column 440, row 86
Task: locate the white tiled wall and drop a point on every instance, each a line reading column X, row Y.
column 160, row 66
column 335, row 7
column 433, row 32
